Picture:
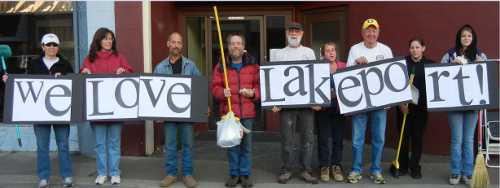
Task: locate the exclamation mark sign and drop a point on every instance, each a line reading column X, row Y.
column 479, row 70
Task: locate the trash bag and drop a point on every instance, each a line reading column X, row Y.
column 230, row 131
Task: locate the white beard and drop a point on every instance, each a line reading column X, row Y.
column 294, row 42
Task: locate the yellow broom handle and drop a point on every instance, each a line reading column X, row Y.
column 412, row 76
column 223, row 57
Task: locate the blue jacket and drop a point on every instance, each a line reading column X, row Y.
column 188, row 67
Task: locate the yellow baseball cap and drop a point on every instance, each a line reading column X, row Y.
column 370, row 22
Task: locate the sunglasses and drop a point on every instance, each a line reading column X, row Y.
column 52, row 44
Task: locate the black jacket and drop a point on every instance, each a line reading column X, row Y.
column 419, row 80
column 37, row 66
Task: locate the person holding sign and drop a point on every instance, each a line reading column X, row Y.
column 51, row 63
column 330, row 125
column 244, row 86
column 463, row 123
column 177, row 64
column 294, row 121
column 103, row 58
column 416, row 120
column 369, row 50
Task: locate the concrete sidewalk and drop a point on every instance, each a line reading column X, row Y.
column 18, row 169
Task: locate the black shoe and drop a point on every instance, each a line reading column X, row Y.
column 246, row 181
column 233, row 181
column 416, row 173
column 398, row 172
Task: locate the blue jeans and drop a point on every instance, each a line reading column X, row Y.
column 462, row 124
column 378, row 123
column 42, row 133
column 186, row 138
column 240, row 156
column 107, row 147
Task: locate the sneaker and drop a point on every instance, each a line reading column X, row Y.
column 189, row 181
column 454, row 179
column 115, row 180
column 325, row 174
column 467, row 179
column 168, row 181
column 232, row 181
column 378, row 178
column 284, row 177
column 337, row 173
column 43, row 184
column 100, row 180
column 354, row 177
column 416, row 173
column 246, row 182
column 307, row 177
column 68, row 182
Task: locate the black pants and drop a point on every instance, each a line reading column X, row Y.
column 416, row 122
column 330, row 126
column 296, row 122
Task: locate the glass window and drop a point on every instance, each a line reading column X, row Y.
column 323, row 32
column 23, row 32
column 275, row 28
column 195, row 35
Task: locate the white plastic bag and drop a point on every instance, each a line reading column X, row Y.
column 229, row 131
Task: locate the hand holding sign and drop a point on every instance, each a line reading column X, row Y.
column 86, row 71
column 362, row 60
column 120, row 70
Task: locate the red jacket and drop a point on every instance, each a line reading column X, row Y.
column 106, row 62
column 247, row 77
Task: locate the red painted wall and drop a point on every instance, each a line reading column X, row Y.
column 128, row 25
column 437, row 23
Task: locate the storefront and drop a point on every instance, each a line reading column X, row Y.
column 263, row 24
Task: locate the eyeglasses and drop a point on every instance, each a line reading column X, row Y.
column 52, row 44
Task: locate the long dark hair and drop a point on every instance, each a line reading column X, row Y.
column 95, row 47
column 416, row 39
column 471, row 50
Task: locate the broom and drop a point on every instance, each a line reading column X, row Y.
column 6, row 52
column 395, row 164
column 480, row 177
column 229, row 119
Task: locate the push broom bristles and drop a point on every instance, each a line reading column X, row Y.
column 480, row 177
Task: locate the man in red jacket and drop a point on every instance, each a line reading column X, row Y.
column 243, row 79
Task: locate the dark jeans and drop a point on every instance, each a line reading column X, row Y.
column 240, row 156
column 330, row 125
column 294, row 121
column 416, row 122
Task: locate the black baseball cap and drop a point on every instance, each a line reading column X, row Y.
column 294, row 25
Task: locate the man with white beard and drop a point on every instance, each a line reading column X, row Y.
column 298, row 120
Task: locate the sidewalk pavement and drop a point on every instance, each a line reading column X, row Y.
column 18, row 169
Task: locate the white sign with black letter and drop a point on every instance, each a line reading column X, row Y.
column 41, row 100
column 111, row 98
column 372, row 86
column 165, row 97
column 295, row 84
column 460, row 87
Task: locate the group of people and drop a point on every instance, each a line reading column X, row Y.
column 243, row 78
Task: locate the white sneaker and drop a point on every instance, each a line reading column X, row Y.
column 115, row 180
column 100, row 180
column 68, row 182
column 43, row 184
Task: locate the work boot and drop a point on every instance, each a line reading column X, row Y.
column 233, row 181
column 168, row 181
column 337, row 173
column 189, row 181
column 325, row 174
